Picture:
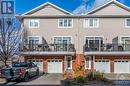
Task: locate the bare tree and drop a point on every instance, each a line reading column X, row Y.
column 10, row 38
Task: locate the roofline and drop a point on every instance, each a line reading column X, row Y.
column 75, row 16
column 46, row 4
column 100, row 7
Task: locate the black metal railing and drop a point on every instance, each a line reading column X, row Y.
column 109, row 47
column 48, row 47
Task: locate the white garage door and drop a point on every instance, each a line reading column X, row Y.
column 38, row 62
column 54, row 66
column 121, row 67
column 102, row 66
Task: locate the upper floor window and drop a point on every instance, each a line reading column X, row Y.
column 34, row 23
column 65, row 23
column 91, row 23
column 127, row 23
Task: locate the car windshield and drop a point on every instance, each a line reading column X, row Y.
column 19, row 65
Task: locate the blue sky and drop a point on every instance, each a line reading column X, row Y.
column 75, row 6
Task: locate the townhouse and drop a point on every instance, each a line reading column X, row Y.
column 57, row 40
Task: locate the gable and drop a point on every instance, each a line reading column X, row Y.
column 47, row 9
column 111, row 9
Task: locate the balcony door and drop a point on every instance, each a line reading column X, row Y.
column 93, row 43
column 126, row 43
column 33, row 42
column 61, row 43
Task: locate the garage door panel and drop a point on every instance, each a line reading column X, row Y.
column 54, row 66
column 121, row 67
column 102, row 66
column 38, row 62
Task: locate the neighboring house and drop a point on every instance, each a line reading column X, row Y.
column 57, row 40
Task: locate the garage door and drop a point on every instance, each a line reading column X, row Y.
column 54, row 66
column 38, row 62
column 121, row 66
column 102, row 66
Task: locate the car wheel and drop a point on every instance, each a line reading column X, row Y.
column 8, row 80
column 26, row 77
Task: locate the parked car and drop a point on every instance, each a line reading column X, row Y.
column 19, row 71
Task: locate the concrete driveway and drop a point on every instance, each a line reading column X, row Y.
column 44, row 80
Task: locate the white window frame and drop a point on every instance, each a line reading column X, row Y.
column 40, row 39
column 88, row 61
column 34, row 20
column 62, row 37
column 65, row 26
column 126, row 23
column 93, row 37
column 71, row 62
column 86, row 24
column 120, row 38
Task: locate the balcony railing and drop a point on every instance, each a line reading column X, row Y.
column 108, row 47
column 48, row 47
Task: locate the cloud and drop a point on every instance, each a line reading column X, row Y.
column 88, row 5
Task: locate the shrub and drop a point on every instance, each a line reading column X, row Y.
column 68, row 74
column 80, row 79
column 98, row 76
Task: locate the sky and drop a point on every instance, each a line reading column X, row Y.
column 74, row 6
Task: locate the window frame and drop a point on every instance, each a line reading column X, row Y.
column 126, row 23
column 87, row 23
column 63, row 23
column 34, row 20
column 39, row 37
column 70, row 61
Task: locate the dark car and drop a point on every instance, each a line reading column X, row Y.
column 19, row 71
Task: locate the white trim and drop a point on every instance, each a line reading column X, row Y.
column 40, row 39
column 120, row 38
column 88, row 61
column 62, row 36
column 33, row 26
column 67, row 26
column 92, row 36
column 71, row 62
column 85, row 26
column 44, row 5
column 126, row 23
column 112, row 1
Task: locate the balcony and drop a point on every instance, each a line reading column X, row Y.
column 108, row 48
column 48, row 49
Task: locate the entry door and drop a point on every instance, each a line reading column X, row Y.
column 54, row 66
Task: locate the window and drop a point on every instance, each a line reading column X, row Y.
column 93, row 43
column 65, row 23
column 33, row 42
column 34, row 23
column 69, row 62
column 127, row 23
column 91, row 23
column 62, row 43
column 126, row 43
column 87, row 63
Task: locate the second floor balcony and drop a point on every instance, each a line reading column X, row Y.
column 108, row 47
column 47, row 48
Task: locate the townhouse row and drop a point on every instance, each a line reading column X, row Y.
column 57, row 40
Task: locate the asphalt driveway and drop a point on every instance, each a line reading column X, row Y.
column 44, row 80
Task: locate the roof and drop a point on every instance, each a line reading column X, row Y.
column 43, row 5
column 108, row 3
